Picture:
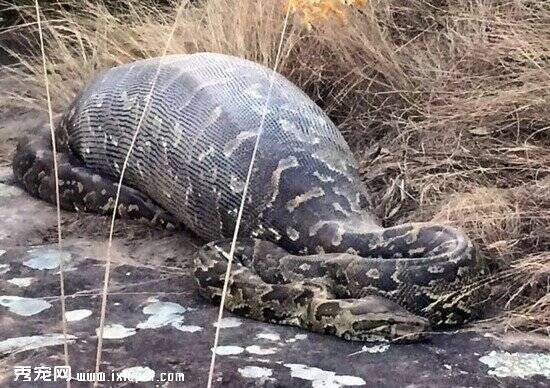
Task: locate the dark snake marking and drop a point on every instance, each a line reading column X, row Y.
column 310, row 253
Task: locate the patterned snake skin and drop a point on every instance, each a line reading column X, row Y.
column 310, row 252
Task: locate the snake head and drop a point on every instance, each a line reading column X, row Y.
column 370, row 318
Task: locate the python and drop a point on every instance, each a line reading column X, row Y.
column 310, row 253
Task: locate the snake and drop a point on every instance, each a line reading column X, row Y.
column 310, row 251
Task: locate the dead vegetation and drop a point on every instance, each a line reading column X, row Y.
column 455, row 94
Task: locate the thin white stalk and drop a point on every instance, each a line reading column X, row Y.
column 243, row 201
column 105, row 288
column 57, row 202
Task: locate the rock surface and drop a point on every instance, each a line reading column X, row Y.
column 157, row 323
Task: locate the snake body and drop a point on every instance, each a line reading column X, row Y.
column 310, row 251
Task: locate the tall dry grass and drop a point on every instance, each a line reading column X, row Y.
column 446, row 104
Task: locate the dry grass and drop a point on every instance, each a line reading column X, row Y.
column 456, row 94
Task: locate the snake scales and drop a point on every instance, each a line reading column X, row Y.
column 310, row 251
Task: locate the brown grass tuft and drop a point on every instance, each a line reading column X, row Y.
column 456, row 94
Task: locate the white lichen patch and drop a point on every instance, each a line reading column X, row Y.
column 269, row 336
column 323, row 378
column 77, row 315
column 255, row 349
column 4, row 268
column 227, row 323
column 162, row 314
column 255, row 372
column 229, row 350
column 187, row 328
column 381, row 348
column 24, row 306
column 137, row 374
column 523, row 365
column 297, row 337
column 116, row 331
column 21, row 344
column 43, row 258
column 21, row 282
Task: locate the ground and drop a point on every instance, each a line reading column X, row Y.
column 157, row 323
